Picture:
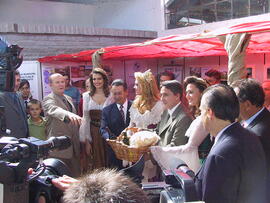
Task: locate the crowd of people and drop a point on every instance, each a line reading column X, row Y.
column 221, row 132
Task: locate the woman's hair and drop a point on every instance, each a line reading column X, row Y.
column 149, row 91
column 105, row 79
column 199, row 83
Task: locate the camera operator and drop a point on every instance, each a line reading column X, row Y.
column 235, row 169
column 100, row 186
column 14, row 113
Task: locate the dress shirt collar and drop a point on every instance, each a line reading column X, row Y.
column 220, row 132
column 170, row 111
column 248, row 121
column 124, row 106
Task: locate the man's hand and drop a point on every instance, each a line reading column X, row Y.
column 75, row 119
column 64, row 182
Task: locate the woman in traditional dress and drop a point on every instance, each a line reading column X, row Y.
column 93, row 103
column 146, row 110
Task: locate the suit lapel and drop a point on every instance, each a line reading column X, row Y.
column 12, row 105
column 116, row 113
column 59, row 102
column 257, row 119
column 71, row 103
column 165, row 123
column 128, row 114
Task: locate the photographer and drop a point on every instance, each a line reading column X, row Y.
column 100, row 186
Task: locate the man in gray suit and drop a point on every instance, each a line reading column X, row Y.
column 63, row 121
column 175, row 120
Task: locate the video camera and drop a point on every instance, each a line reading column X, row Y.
column 177, row 185
column 10, row 60
column 17, row 156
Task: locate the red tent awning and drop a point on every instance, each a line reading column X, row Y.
column 83, row 56
column 192, row 45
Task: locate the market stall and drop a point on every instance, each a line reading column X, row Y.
column 174, row 52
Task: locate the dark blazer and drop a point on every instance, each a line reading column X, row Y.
column 112, row 123
column 235, row 169
column 261, row 127
column 172, row 131
column 15, row 115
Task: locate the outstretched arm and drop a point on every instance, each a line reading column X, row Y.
column 64, row 182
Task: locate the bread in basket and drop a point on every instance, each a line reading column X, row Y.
column 132, row 143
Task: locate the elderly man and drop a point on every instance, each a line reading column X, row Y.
column 175, row 120
column 235, row 169
column 63, row 121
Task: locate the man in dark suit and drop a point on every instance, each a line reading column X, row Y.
column 254, row 116
column 15, row 116
column 175, row 120
column 115, row 118
column 235, row 169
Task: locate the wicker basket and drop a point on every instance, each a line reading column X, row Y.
column 125, row 152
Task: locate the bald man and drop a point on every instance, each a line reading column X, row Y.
column 63, row 121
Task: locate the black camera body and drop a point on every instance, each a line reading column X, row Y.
column 10, row 60
column 177, row 187
column 17, row 156
column 42, row 185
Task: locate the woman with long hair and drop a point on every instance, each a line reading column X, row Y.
column 198, row 137
column 147, row 108
column 94, row 101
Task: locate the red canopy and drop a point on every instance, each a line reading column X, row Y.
column 202, row 44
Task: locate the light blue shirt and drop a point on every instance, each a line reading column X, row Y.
column 74, row 93
column 248, row 121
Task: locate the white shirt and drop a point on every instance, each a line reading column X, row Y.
column 170, row 111
column 220, row 132
column 125, row 106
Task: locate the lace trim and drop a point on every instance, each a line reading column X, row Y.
column 148, row 118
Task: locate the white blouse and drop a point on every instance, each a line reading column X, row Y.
column 148, row 117
column 90, row 104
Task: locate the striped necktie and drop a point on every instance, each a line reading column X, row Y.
column 122, row 113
